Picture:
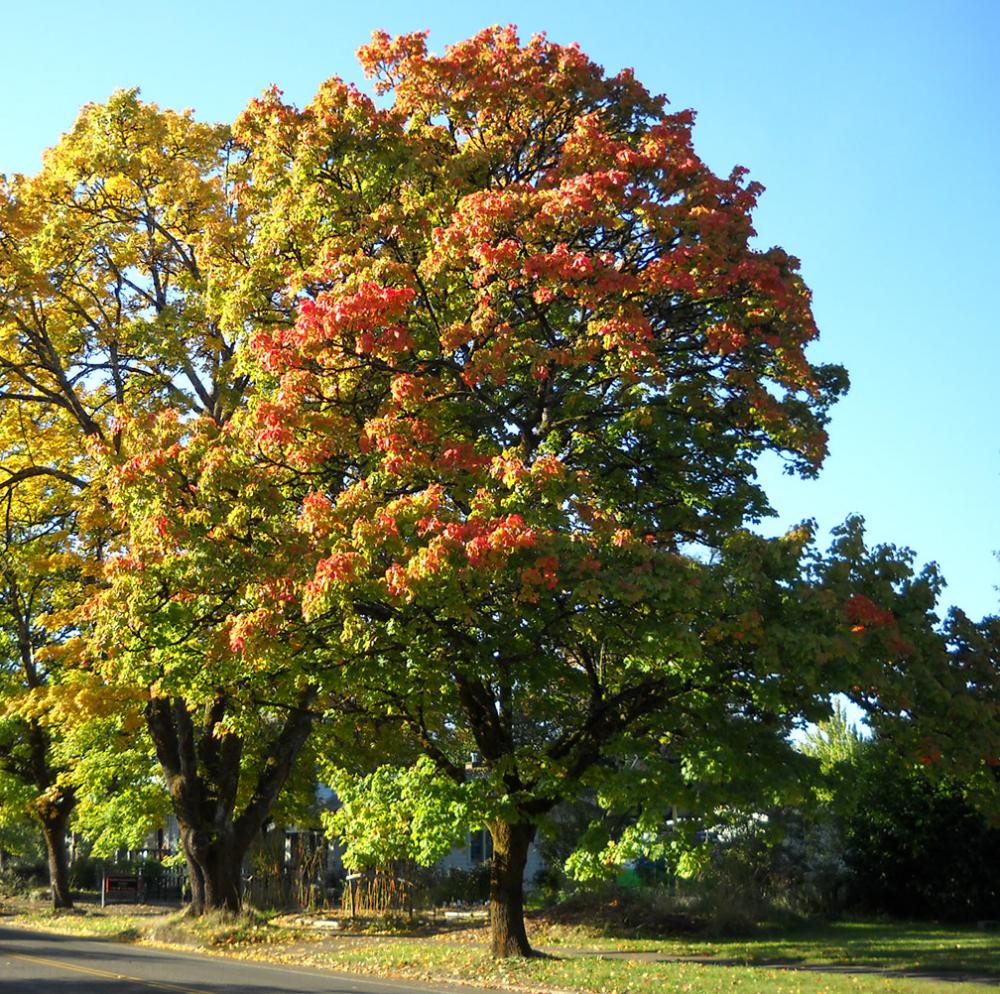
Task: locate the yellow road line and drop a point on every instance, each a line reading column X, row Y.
column 105, row 975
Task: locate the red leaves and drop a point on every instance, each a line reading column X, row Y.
column 542, row 573
column 407, row 388
column 370, row 314
column 863, row 614
column 497, row 540
column 338, row 568
column 461, row 457
column 930, row 754
column 725, row 338
column 273, row 425
column 386, row 57
column 633, row 336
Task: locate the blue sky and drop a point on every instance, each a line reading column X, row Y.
column 874, row 126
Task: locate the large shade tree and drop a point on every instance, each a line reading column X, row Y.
column 486, row 464
column 112, row 321
column 534, row 363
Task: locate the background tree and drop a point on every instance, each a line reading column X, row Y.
column 199, row 607
column 42, row 572
column 911, row 837
column 109, row 317
column 916, row 845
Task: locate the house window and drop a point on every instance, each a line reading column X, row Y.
column 480, row 846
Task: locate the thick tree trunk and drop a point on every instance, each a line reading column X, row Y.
column 202, row 769
column 510, row 854
column 222, row 867
column 215, row 869
column 224, row 881
column 54, row 818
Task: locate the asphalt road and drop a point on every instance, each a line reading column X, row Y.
column 41, row 963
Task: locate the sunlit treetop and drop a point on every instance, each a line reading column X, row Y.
column 519, row 306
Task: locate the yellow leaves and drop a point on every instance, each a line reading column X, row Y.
column 74, row 702
column 239, row 518
column 55, row 561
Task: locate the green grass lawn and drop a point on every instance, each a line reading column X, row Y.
column 876, row 944
column 889, row 946
column 716, row 966
column 590, row 974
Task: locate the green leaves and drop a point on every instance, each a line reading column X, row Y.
column 400, row 813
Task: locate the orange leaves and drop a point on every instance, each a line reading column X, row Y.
column 929, row 753
column 475, row 80
column 509, row 468
column 493, row 259
column 558, row 265
column 493, row 542
column 588, row 197
column 316, row 516
column 725, row 337
column 386, row 57
column 516, row 283
column 408, row 389
column 542, row 573
column 273, row 426
column 428, row 543
column 338, row 568
column 461, row 457
column 370, row 314
column 633, row 336
column 470, row 549
column 245, row 629
column 338, row 325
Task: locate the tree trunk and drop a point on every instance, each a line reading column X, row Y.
column 196, row 879
column 215, row 870
column 510, row 854
column 224, row 879
column 54, row 817
column 202, row 770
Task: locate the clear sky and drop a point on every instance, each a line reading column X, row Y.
column 875, row 127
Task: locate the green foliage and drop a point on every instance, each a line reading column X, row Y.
column 400, row 813
column 439, row 414
column 834, row 741
column 15, row 794
column 899, row 836
column 917, row 847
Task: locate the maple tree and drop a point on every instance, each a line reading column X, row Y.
column 110, row 318
column 534, row 361
column 444, row 410
column 198, row 608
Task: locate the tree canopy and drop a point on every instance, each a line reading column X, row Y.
column 533, row 362
column 431, row 423
column 111, row 324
